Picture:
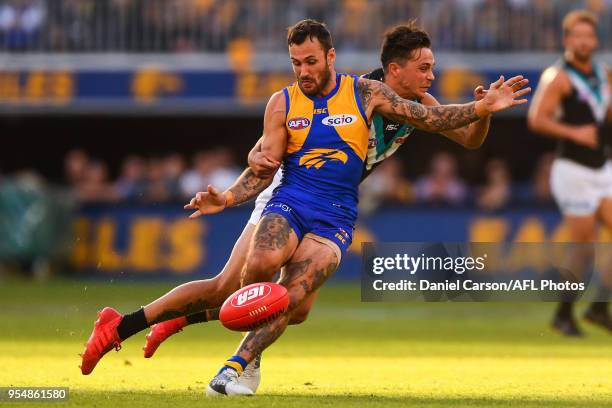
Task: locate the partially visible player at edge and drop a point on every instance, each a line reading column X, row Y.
column 322, row 173
column 572, row 104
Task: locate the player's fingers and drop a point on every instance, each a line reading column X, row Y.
column 196, row 214
column 266, row 166
column 190, row 205
column 498, row 83
column 212, row 190
column 514, row 80
column 269, row 164
column 520, row 84
column 273, row 161
column 522, row 92
column 263, row 161
column 264, row 172
column 519, row 101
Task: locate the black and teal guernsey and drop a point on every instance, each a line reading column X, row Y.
column 587, row 104
column 386, row 136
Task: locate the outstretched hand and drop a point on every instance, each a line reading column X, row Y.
column 207, row 202
column 505, row 94
column 480, row 92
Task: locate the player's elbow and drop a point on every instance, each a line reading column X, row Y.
column 473, row 143
column 534, row 123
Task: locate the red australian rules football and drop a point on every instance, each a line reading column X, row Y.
column 253, row 306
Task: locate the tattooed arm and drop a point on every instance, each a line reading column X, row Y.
column 246, row 187
column 471, row 136
column 376, row 96
column 273, row 146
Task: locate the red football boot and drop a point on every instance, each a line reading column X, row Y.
column 103, row 338
column 160, row 332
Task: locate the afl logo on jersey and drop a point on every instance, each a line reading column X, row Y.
column 298, row 123
column 339, row 120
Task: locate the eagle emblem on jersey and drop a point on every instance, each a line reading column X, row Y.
column 318, row 157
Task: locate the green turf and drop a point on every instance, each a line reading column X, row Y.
column 348, row 354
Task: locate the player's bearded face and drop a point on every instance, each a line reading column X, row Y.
column 311, row 66
column 581, row 41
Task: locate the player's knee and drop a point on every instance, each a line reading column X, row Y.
column 259, row 268
column 299, row 316
column 225, row 287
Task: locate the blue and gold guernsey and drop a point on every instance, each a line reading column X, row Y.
column 324, row 162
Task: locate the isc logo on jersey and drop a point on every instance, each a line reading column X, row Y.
column 251, row 295
column 298, row 123
column 339, row 120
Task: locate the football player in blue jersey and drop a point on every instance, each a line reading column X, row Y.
column 406, row 52
column 319, row 128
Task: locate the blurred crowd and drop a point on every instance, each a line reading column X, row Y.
column 172, row 178
column 214, row 25
column 442, row 185
column 149, row 179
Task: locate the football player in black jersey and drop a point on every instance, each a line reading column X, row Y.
column 572, row 104
column 407, row 68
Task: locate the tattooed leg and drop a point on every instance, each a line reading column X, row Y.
column 273, row 239
column 196, row 296
column 272, row 246
column 200, row 300
column 298, row 316
column 311, row 265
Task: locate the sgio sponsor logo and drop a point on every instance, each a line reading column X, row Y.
column 339, row 120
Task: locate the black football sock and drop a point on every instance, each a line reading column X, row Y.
column 599, row 307
column 565, row 310
column 197, row 318
column 603, row 294
column 132, row 323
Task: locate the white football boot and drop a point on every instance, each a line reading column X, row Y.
column 226, row 383
column 251, row 376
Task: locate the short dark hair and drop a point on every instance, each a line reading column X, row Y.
column 578, row 16
column 312, row 29
column 400, row 42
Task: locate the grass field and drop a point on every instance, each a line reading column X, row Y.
column 348, row 354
